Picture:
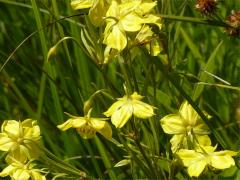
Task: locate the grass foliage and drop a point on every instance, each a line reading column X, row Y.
column 35, row 86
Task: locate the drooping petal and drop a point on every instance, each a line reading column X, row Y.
column 121, row 116
column 97, row 123
column 72, row 123
column 173, row 124
column 142, row 110
column 189, row 157
column 81, row 4
column 106, row 131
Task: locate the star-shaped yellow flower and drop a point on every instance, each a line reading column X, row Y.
column 87, row 126
column 186, row 126
column 128, row 16
column 20, row 136
column 197, row 160
column 122, row 110
column 19, row 168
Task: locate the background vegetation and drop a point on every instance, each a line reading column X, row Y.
column 31, row 86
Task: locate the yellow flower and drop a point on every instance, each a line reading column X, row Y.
column 122, row 110
column 19, row 168
column 187, row 126
column 196, row 161
column 128, row 16
column 97, row 9
column 87, row 126
column 20, row 136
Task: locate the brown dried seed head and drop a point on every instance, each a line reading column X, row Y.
column 234, row 21
column 206, row 7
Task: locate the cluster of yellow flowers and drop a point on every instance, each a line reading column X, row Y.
column 125, row 21
column 120, row 112
column 20, row 140
column 191, row 142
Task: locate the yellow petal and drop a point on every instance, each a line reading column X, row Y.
column 72, row 123
column 136, row 96
column 196, row 168
column 142, row 110
column 38, row 176
column 203, row 140
column 97, row 12
column 173, row 124
column 21, row 174
column 97, row 123
column 81, row 4
column 115, row 106
column 146, row 7
column 7, row 171
column 222, row 162
column 131, row 22
column 116, row 38
column 121, row 116
column 177, row 142
column 106, row 131
column 5, row 142
column 189, row 157
column 11, row 127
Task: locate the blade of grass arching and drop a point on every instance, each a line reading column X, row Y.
column 209, row 67
column 105, row 158
column 191, row 46
column 47, row 66
column 80, row 58
column 22, row 100
column 60, row 29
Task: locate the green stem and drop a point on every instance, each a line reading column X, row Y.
column 195, row 20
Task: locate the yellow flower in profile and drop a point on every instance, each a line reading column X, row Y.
column 197, row 160
column 187, row 127
column 122, row 110
column 19, row 168
column 20, row 136
column 87, row 126
column 128, row 16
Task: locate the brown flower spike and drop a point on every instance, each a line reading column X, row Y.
column 206, row 7
column 234, row 21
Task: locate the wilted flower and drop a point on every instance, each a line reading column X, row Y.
column 128, row 16
column 87, row 126
column 197, row 160
column 187, row 127
column 206, row 7
column 20, row 137
column 122, row 110
column 19, row 168
column 234, row 21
